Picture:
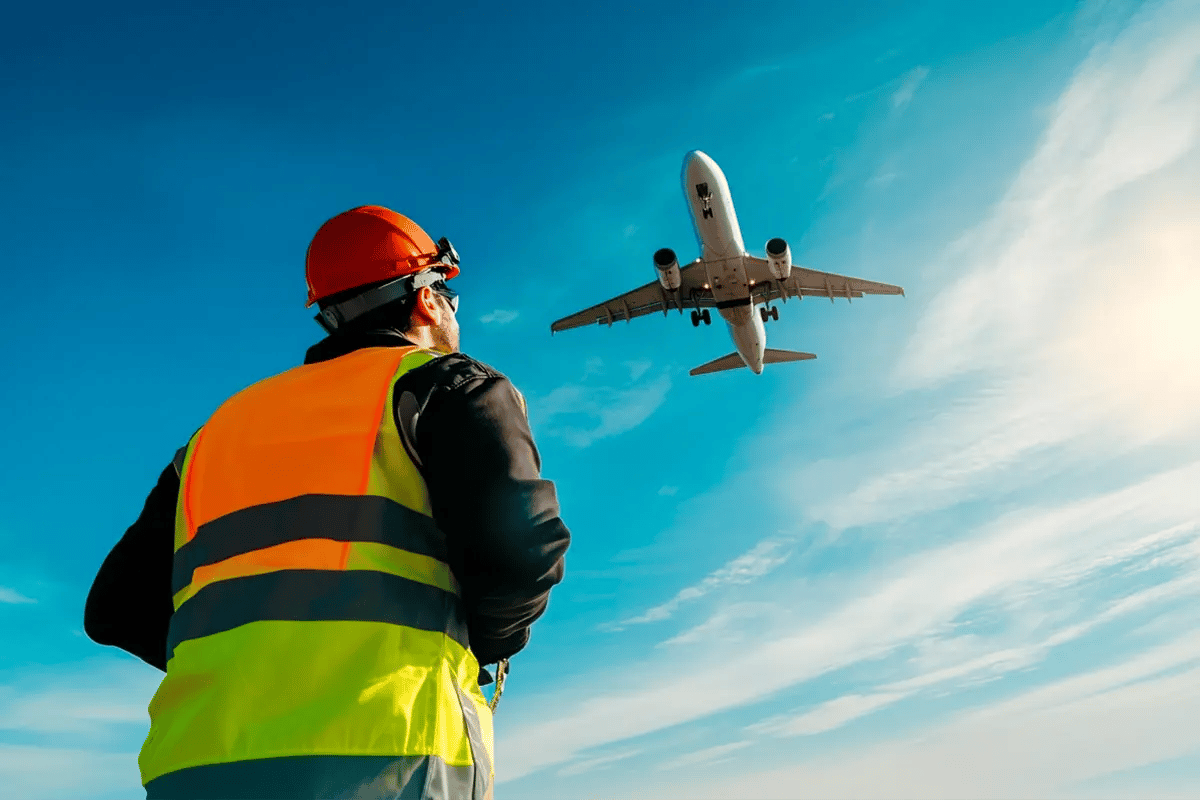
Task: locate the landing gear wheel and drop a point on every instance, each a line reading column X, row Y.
column 705, row 316
column 695, row 319
column 775, row 313
column 762, row 312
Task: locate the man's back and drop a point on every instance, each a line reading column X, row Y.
column 322, row 569
column 465, row 426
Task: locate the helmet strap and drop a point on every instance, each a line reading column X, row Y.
column 335, row 316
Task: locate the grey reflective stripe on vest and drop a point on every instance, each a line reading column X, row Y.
column 483, row 764
column 318, row 596
column 363, row 518
column 311, row 777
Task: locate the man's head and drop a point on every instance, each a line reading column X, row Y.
column 431, row 320
column 372, row 267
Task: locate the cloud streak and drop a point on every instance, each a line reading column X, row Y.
column 1067, row 323
column 74, row 731
column 909, row 84
column 709, row 755
column 499, row 317
column 88, row 702
column 1039, row 744
column 758, row 561
column 827, row 716
column 14, row 597
column 582, row 413
column 1028, row 554
column 589, row 764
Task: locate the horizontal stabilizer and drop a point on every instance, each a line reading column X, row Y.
column 733, row 360
column 779, row 356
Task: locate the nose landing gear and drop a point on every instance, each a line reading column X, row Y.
column 697, row 316
column 769, row 313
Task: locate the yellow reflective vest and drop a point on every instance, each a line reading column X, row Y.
column 318, row 646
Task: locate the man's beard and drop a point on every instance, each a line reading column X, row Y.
column 445, row 338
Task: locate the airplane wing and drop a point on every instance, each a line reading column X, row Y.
column 810, row 283
column 645, row 300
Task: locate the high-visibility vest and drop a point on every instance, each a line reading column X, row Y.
column 318, row 643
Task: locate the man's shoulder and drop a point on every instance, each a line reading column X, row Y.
column 482, row 389
column 452, row 371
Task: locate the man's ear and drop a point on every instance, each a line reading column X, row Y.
column 425, row 311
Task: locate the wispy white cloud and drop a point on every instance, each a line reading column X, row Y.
column 827, row 716
column 732, row 624
column 909, row 84
column 589, row 764
column 86, row 699
column 74, row 730
column 500, row 317
column 67, row 710
column 1010, row 560
column 52, row 773
column 760, row 70
column 668, row 491
column 582, row 413
column 13, row 596
column 1095, row 207
column 1069, row 313
column 761, row 559
column 952, row 663
column 1040, row 744
column 709, row 755
column 882, row 179
column 638, row 368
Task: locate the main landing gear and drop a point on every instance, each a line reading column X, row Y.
column 701, row 315
column 769, row 313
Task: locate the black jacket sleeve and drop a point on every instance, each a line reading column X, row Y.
column 482, row 470
column 129, row 605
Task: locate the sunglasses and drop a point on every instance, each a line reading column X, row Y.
column 445, row 291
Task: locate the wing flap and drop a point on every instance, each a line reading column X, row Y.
column 805, row 282
column 644, row 300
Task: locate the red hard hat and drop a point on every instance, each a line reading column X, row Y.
column 366, row 245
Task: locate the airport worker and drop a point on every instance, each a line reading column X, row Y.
column 325, row 565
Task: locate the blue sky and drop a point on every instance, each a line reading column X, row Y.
column 958, row 555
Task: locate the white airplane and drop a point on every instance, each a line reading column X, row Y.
column 726, row 277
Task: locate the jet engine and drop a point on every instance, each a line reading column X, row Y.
column 779, row 256
column 667, row 268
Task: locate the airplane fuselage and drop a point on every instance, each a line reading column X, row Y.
column 723, row 253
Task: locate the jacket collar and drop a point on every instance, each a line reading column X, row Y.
column 340, row 344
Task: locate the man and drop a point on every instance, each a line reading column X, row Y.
column 324, row 567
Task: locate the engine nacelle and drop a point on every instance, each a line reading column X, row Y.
column 779, row 256
column 667, row 267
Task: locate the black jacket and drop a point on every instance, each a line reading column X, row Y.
column 482, row 470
